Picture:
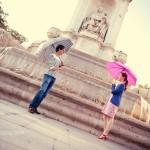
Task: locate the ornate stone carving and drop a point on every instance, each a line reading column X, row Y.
column 120, row 56
column 103, row 28
column 97, row 23
column 53, row 32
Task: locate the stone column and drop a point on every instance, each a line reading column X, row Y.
column 116, row 21
column 78, row 15
column 92, row 35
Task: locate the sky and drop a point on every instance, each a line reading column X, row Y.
column 33, row 18
column 134, row 39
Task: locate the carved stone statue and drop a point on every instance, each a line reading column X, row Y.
column 98, row 14
column 92, row 22
column 96, row 23
column 103, row 28
column 53, row 32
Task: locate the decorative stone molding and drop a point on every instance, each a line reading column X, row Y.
column 120, row 56
column 97, row 24
column 53, row 32
column 34, row 46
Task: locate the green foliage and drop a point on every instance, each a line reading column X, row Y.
column 4, row 25
column 3, row 15
column 17, row 35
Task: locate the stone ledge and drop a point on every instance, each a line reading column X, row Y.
column 78, row 119
column 88, row 57
column 74, row 98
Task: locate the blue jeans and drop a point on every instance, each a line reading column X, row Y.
column 47, row 84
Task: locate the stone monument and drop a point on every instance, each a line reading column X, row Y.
column 97, row 24
column 94, row 27
column 84, row 85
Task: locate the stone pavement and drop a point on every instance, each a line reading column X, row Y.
column 20, row 130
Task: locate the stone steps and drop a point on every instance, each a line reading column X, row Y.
column 73, row 110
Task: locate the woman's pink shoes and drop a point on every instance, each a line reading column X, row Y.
column 103, row 137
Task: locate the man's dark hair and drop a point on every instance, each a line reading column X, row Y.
column 59, row 47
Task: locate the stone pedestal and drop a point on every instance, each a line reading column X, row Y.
column 92, row 36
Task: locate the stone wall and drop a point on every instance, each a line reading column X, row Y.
column 141, row 110
column 83, row 73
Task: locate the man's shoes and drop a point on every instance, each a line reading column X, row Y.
column 31, row 110
column 36, row 111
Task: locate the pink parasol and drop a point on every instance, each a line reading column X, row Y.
column 115, row 68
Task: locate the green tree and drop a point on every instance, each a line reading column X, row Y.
column 16, row 35
column 4, row 25
column 3, row 15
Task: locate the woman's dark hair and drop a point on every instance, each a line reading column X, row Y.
column 59, row 47
column 125, row 79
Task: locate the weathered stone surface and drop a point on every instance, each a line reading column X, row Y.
column 115, row 11
column 73, row 110
column 81, row 69
column 6, row 40
column 120, row 56
column 21, row 130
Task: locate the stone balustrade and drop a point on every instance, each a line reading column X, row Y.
column 21, row 61
column 83, row 73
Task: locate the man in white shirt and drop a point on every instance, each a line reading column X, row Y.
column 54, row 64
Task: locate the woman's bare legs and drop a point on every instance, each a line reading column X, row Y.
column 105, row 121
column 108, row 126
column 104, row 125
column 108, row 123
